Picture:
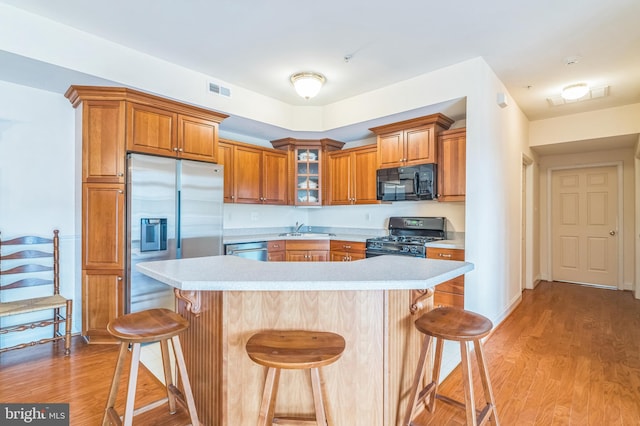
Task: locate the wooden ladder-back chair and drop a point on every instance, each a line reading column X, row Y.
column 24, row 265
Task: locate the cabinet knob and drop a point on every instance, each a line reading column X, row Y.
column 180, row 149
column 119, row 278
column 175, row 149
column 346, row 246
column 121, row 174
column 444, row 255
column 120, row 191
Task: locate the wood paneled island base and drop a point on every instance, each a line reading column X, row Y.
column 367, row 386
column 369, row 302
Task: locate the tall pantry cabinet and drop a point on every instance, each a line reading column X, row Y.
column 107, row 126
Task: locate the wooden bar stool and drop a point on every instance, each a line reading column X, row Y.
column 152, row 325
column 461, row 326
column 294, row 349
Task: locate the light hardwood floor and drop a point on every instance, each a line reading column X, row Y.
column 568, row 355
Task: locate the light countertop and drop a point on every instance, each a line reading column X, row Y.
column 232, row 273
column 234, row 239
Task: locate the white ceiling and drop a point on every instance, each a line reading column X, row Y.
column 258, row 44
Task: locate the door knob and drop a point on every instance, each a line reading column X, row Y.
column 612, row 232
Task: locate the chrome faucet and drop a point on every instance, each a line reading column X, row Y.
column 298, row 227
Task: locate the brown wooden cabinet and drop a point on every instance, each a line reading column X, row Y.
column 411, row 141
column 307, row 250
column 102, row 300
column 103, row 153
column 159, row 131
column 276, row 251
column 253, row 175
column 103, row 226
column 225, row 157
column 112, row 120
column 449, row 293
column 352, row 176
column 103, row 258
column 347, row 251
column 452, row 165
column 307, row 168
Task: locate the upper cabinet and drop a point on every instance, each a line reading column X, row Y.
column 103, row 151
column 352, row 176
column 410, row 142
column 253, row 175
column 452, row 159
column 151, row 130
column 307, row 168
column 123, row 120
column 158, row 131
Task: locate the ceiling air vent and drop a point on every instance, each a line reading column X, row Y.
column 219, row 90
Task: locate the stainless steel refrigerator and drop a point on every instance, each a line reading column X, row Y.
column 174, row 211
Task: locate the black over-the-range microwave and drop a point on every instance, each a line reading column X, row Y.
column 407, row 183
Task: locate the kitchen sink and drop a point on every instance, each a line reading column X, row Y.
column 307, row 234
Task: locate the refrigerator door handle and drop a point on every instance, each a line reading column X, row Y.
column 179, row 225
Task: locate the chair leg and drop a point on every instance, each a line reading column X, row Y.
column 467, row 384
column 168, row 377
column 437, row 363
column 186, row 384
column 413, row 396
column 486, row 383
column 133, row 382
column 56, row 324
column 318, row 403
column 325, row 398
column 67, row 327
column 267, row 406
column 115, row 382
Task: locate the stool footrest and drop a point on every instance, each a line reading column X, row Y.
column 150, row 406
column 294, row 421
column 482, row 416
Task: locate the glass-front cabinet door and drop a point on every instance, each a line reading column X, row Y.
column 306, row 168
column 308, row 176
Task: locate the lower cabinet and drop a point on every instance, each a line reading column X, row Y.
column 307, row 250
column 102, row 301
column 347, row 251
column 449, row 293
column 276, row 251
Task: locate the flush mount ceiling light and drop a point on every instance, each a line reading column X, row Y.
column 575, row 91
column 307, row 84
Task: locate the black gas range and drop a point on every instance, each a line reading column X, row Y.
column 408, row 236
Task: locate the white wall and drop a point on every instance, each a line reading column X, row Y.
column 589, row 125
column 363, row 217
column 37, row 175
column 637, row 228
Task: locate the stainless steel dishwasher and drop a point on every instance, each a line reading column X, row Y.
column 254, row 250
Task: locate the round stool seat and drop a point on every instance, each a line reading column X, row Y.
column 295, row 349
column 454, row 324
column 147, row 326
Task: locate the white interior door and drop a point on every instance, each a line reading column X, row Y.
column 584, row 216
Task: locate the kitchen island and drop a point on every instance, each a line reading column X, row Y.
column 369, row 302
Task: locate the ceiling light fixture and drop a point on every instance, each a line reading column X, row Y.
column 575, row 91
column 307, row 84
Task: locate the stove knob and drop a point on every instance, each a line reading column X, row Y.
column 405, row 249
column 414, row 249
